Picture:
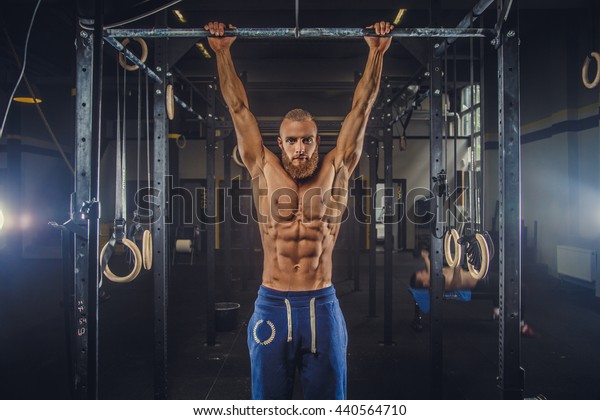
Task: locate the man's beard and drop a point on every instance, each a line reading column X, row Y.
column 305, row 170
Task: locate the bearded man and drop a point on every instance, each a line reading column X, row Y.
column 297, row 323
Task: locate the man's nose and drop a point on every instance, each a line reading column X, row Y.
column 300, row 148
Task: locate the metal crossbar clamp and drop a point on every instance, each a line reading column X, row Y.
column 70, row 226
column 90, row 210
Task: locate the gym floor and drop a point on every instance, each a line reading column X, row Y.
column 561, row 363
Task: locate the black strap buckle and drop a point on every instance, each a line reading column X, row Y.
column 120, row 229
column 440, row 180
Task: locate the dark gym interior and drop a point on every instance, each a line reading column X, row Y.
column 163, row 334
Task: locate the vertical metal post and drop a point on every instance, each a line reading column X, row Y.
column 160, row 232
column 227, row 198
column 69, row 301
column 436, row 277
column 373, row 158
column 88, row 109
column 511, row 375
column 356, row 226
column 210, row 227
column 388, row 220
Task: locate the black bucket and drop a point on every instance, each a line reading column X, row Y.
column 226, row 315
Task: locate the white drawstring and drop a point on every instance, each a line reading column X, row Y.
column 289, row 319
column 313, row 324
column 313, row 334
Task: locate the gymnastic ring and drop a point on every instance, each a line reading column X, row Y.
column 584, row 71
column 132, row 67
column 147, row 249
column 452, row 236
column 170, row 98
column 137, row 258
column 485, row 259
column 237, row 159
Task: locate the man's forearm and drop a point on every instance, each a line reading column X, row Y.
column 368, row 86
column 231, row 86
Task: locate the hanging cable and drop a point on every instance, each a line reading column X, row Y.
column 456, row 127
column 472, row 208
column 482, row 158
column 120, row 223
column 452, row 249
column 297, row 19
column 12, row 95
column 136, row 226
column 147, row 238
column 39, row 108
column 89, row 23
column 123, row 185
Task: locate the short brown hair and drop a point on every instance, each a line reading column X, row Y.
column 298, row 115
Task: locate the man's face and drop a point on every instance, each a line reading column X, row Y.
column 299, row 145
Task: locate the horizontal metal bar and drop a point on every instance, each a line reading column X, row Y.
column 187, row 108
column 181, row 76
column 466, row 22
column 303, row 33
column 132, row 58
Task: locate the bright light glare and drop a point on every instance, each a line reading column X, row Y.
column 26, row 221
column 1, row 219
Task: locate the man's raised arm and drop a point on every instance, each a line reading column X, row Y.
column 248, row 135
column 350, row 141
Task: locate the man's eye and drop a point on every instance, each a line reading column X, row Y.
column 308, row 140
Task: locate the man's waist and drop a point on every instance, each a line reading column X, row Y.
column 321, row 295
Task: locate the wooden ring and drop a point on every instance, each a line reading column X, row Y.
column 237, row 158
column 584, row 71
column 452, row 236
column 170, row 98
column 123, row 61
column 137, row 257
column 147, row 249
column 485, row 259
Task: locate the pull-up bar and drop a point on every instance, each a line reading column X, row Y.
column 313, row 33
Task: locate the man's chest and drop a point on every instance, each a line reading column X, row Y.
column 322, row 198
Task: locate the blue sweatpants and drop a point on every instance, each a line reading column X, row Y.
column 302, row 331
